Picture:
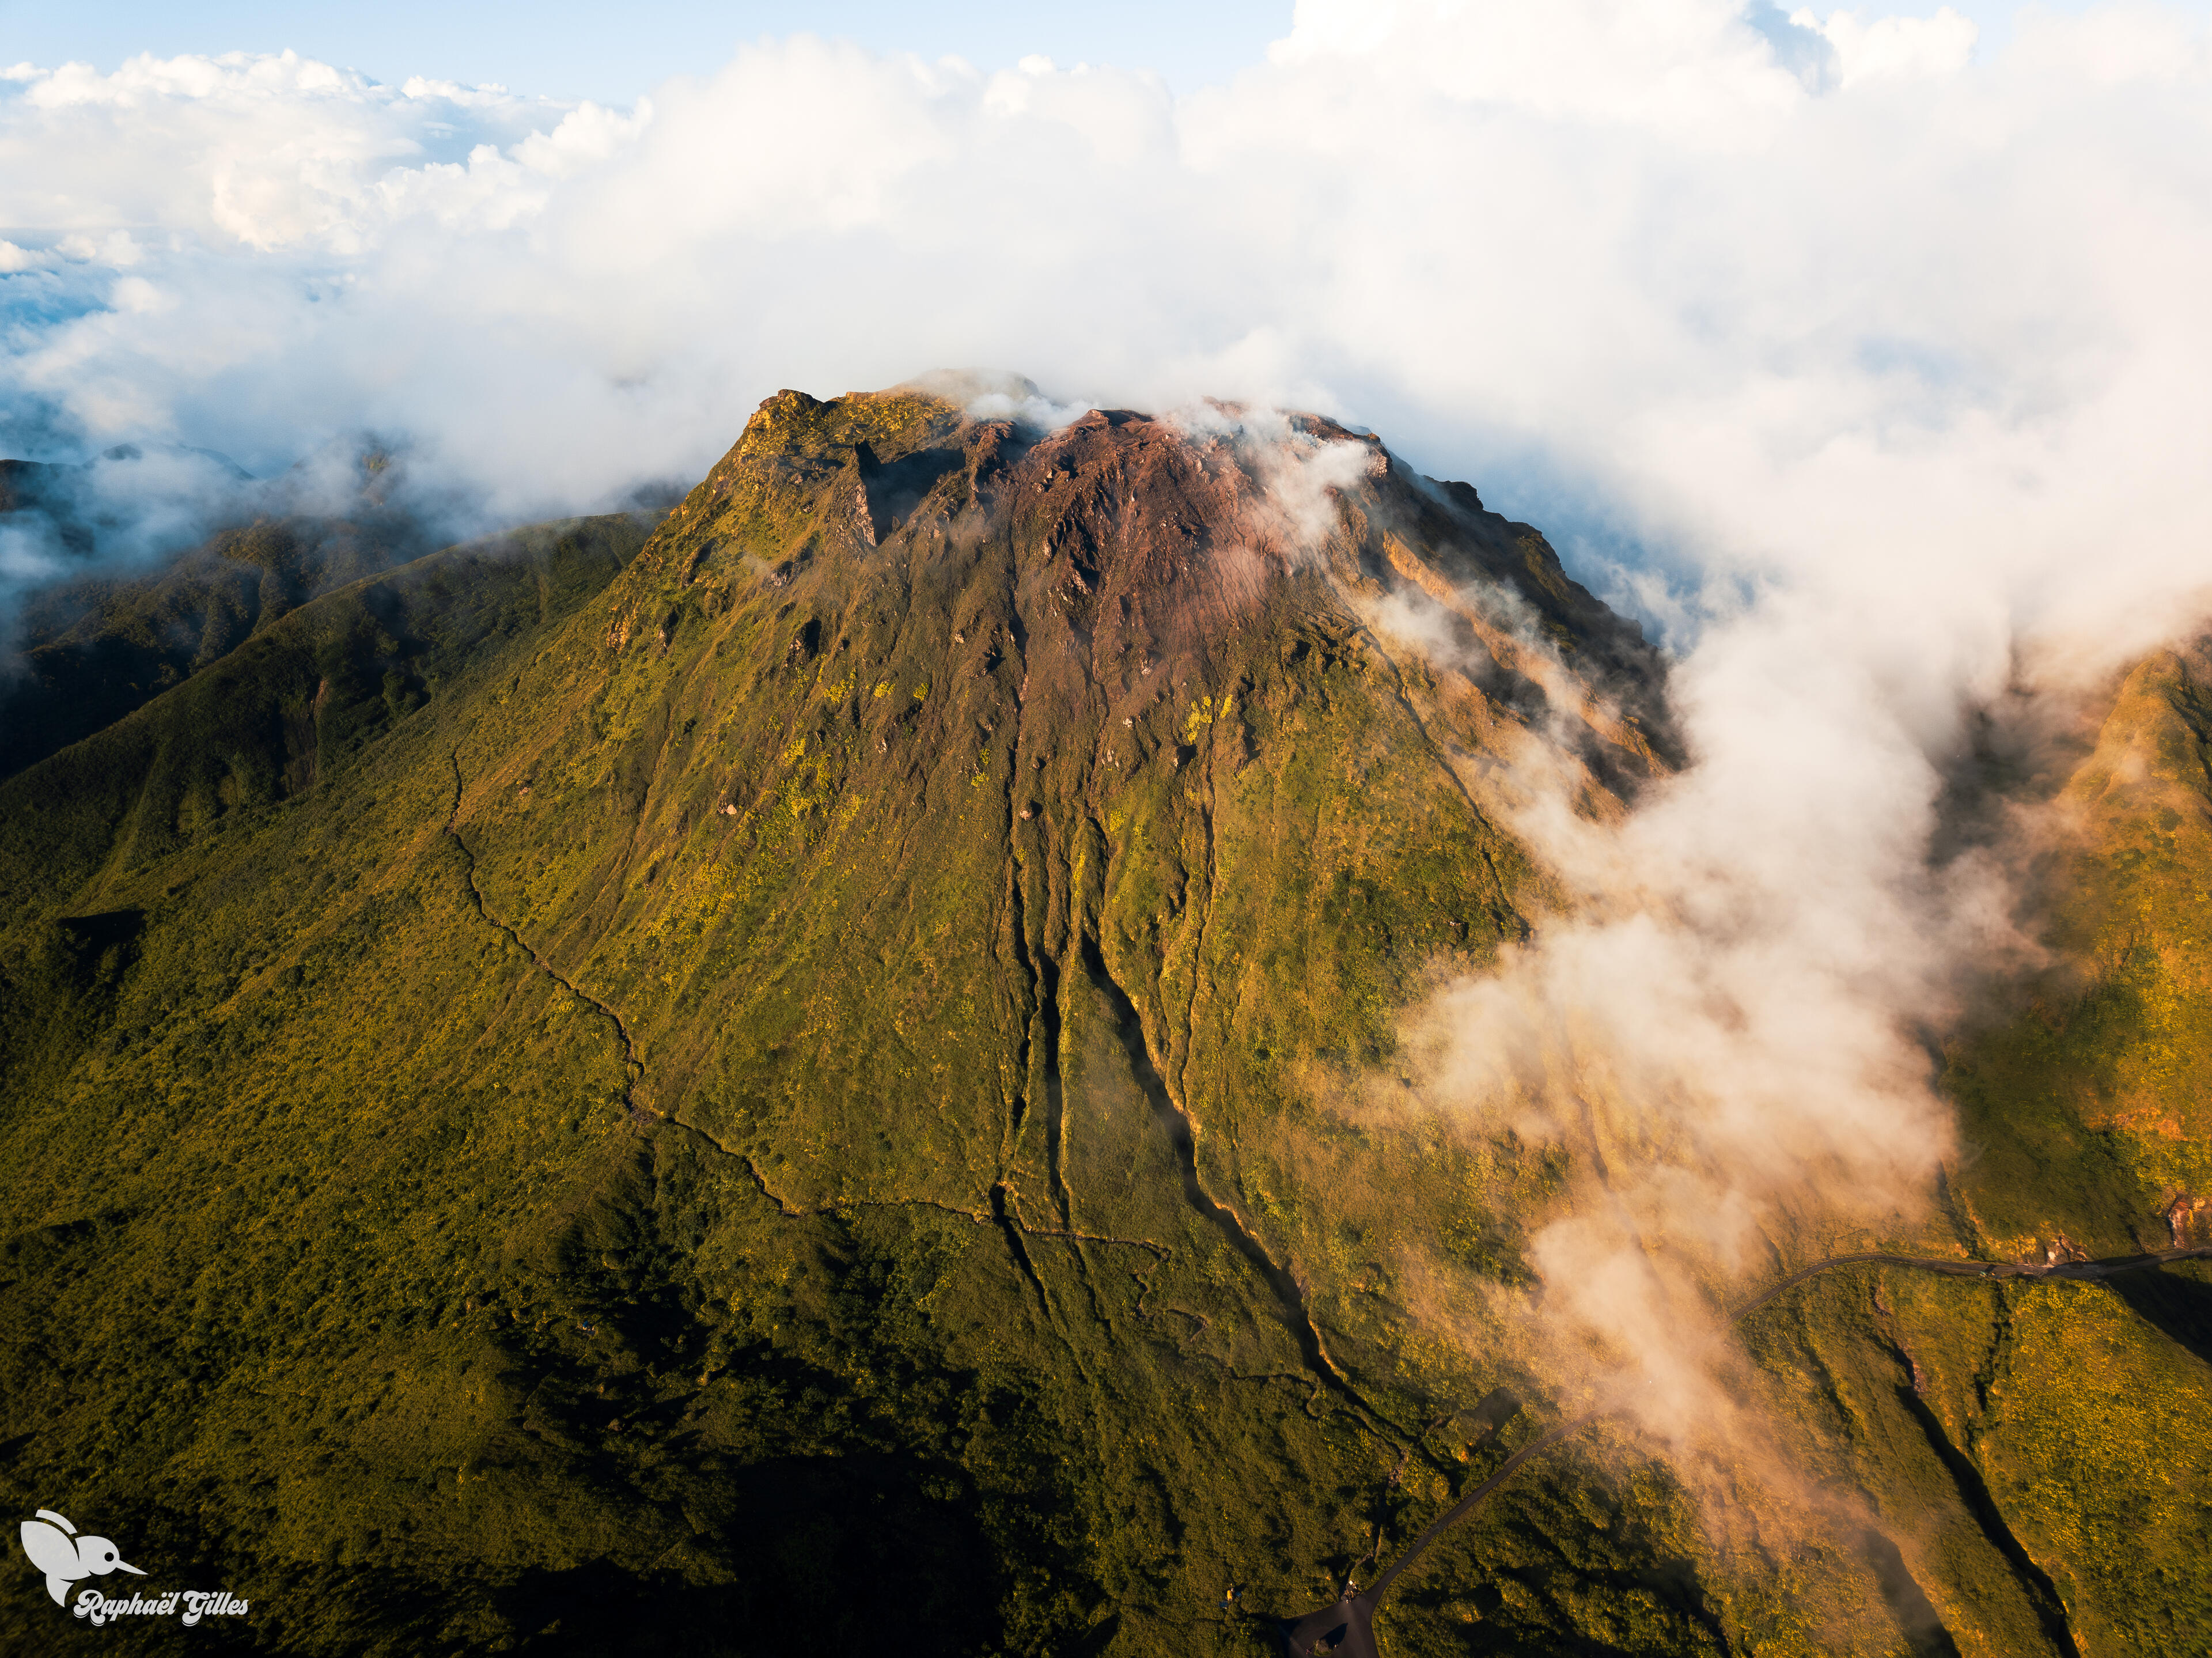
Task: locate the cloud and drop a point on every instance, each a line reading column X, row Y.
column 1884, row 48
column 1728, row 1023
column 1663, row 282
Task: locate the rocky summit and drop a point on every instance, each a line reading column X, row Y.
column 761, row 1080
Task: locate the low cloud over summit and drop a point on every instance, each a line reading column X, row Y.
column 1789, row 292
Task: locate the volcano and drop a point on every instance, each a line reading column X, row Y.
column 759, row 1079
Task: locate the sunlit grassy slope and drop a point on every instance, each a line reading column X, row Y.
column 757, row 1094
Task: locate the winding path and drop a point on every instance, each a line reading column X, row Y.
column 1347, row 1627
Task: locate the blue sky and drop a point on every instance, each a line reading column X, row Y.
column 570, row 49
column 587, row 49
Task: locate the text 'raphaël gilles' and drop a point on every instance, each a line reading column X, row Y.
column 194, row 1604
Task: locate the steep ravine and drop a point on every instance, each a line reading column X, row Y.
column 1175, row 1123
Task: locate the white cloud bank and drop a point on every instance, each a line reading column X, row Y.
column 1883, row 368
column 1786, row 291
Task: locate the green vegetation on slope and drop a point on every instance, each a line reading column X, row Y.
column 763, row 1095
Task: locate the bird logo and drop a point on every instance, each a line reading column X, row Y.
column 56, row 1550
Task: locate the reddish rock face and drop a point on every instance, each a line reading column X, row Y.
column 1133, row 552
column 1184, row 530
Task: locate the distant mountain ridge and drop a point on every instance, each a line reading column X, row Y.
column 106, row 633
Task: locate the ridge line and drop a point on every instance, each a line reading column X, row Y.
column 633, row 1067
column 1405, row 700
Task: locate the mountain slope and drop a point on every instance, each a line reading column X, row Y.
column 768, row 1094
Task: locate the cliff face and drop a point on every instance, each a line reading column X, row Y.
column 763, row 1092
